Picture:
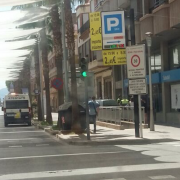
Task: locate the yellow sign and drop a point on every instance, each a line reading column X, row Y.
column 18, row 115
column 95, row 31
column 114, row 57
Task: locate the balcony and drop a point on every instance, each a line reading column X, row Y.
column 157, row 4
column 53, row 72
column 84, row 27
column 161, row 18
column 99, row 4
column 96, row 66
column 146, row 25
column 174, row 13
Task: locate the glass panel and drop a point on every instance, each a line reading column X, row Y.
column 17, row 104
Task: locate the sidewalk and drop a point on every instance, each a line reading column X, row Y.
column 110, row 136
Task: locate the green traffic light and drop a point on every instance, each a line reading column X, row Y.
column 84, row 74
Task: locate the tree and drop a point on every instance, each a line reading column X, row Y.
column 54, row 26
column 44, row 49
column 71, row 47
column 37, row 75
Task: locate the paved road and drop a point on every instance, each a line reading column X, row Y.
column 27, row 153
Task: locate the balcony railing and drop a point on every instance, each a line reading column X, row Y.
column 157, row 4
column 84, row 27
column 99, row 4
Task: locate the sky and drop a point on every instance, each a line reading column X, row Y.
column 5, row 8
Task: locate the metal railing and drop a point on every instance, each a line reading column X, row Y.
column 99, row 4
column 157, row 4
column 118, row 114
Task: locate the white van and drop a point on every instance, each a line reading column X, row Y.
column 17, row 109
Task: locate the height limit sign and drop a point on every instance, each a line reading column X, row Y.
column 136, row 61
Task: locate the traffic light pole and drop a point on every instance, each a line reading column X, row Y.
column 87, row 107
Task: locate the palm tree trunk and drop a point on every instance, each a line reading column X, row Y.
column 57, row 42
column 37, row 74
column 71, row 47
column 46, row 74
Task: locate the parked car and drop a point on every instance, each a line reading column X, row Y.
column 107, row 102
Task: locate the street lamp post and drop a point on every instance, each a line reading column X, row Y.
column 149, row 44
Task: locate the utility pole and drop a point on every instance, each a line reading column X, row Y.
column 133, row 42
column 149, row 44
column 65, row 58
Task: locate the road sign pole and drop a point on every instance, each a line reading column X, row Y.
column 136, row 113
column 140, row 116
column 87, row 108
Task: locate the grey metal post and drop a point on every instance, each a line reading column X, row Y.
column 150, row 91
column 140, row 116
column 65, row 58
column 143, row 8
column 122, row 81
column 87, row 107
column 41, row 77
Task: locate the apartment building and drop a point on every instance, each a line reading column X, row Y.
column 161, row 17
column 108, row 80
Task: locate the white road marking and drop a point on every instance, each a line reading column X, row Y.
column 89, row 171
column 15, row 146
column 24, row 139
column 115, row 179
column 60, row 155
column 162, row 177
column 21, row 132
column 42, row 145
column 177, row 145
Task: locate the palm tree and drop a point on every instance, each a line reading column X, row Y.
column 54, row 27
column 44, row 49
column 71, row 47
column 37, row 76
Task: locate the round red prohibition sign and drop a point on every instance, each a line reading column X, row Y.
column 135, row 61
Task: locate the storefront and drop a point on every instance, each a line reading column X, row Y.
column 166, row 95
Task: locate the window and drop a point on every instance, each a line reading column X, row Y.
column 175, row 57
column 156, row 63
column 21, row 104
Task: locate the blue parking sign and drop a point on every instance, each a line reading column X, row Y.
column 113, row 30
column 113, row 23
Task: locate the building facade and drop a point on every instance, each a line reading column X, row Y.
column 160, row 17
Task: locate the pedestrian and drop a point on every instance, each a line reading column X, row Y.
column 145, row 103
column 119, row 99
column 93, row 111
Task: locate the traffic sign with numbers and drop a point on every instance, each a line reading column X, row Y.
column 136, row 61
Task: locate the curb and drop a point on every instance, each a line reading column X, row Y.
column 109, row 125
column 137, row 141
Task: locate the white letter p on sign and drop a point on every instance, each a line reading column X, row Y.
column 112, row 22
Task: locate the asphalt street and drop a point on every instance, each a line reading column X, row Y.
column 28, row 153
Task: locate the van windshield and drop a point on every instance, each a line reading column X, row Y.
column 18, row 104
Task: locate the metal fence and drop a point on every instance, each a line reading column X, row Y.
column 117, row 114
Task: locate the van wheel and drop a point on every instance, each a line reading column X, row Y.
column 29, row 123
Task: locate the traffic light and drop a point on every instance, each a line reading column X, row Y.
column 84, row 67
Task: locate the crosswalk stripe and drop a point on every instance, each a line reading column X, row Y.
column 162, row 177
column 89, row 171
column 115, row 179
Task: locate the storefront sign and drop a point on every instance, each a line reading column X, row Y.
column 170, row 76
column 114, row 57
column 136, row 61
column 137, row 86
column 95, row 31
